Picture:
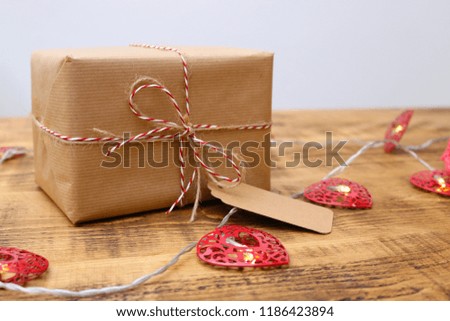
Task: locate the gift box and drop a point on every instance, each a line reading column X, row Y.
column 96, row 113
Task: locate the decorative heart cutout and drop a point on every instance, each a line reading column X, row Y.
column 239, row 246
column 20, row 266
column 437, row 181
column 396, row 129
column 446, row 157
column 339, row 192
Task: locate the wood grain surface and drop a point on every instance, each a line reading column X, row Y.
column 399, row 250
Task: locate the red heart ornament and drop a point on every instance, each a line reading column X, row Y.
column 437, row 181
column 339, row 192
column 13, row 152
column 239, row 246
column 446, row 157
column 20, row 266
column 396, row 129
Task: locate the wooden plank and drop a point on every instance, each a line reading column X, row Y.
column 399, row 250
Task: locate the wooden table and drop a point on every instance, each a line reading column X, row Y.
column 399, row 250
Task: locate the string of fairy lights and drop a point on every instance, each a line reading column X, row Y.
column 340, row 192
column 238, row 246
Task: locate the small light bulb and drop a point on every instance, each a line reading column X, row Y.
column 248, row 257
column 340, row 188
column 440, row 180
column 442, row 184
column 397, row 129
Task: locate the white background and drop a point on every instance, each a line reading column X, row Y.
column 329, row 53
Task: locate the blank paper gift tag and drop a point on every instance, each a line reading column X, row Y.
column 278, row 207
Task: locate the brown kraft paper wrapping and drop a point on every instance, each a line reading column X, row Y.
column 76, row 91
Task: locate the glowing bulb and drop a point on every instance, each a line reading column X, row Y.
column 397, row 129
column 248, row 257
column 441, row 181
column 442, row 184
column 340, row 188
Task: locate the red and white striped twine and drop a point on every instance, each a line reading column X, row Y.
column 186, row 132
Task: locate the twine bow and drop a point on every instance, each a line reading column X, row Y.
column 185, row 132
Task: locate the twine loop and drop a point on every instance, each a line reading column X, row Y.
column 186, row 132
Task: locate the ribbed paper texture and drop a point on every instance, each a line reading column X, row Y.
column 78, row 90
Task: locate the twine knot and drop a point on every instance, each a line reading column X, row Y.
column 186, row 132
